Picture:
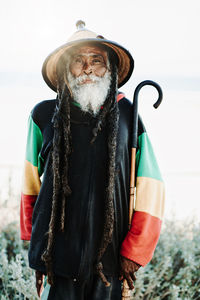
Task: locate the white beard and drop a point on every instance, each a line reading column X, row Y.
column 90, row 96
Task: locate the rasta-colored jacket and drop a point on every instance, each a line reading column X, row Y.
column 75, row 250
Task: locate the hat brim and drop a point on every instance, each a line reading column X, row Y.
column 125, row 64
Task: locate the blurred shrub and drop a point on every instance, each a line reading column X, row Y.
column 17, row 280
column 173, row 273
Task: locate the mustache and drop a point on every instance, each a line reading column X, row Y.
column 84, row 77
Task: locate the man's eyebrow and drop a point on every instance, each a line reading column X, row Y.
column 98, row 55
column 88, row 54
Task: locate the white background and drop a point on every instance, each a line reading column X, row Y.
column 163, row 37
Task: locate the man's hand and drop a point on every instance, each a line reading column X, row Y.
column 127, row 270
column 39, row 281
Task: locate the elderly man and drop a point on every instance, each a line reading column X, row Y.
column 77, row 218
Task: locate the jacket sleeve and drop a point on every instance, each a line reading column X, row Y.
column 31, row 178
column 141, row 240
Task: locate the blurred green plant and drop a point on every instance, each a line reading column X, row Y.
column 17, row 280
column 174, row 271
column 172, row 274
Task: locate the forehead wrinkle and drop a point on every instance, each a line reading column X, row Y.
column 93, row 55
column 88, row 55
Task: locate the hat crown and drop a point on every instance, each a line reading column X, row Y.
column 82, row 32
column 80, row 25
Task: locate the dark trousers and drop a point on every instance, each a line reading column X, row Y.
column 92, row 289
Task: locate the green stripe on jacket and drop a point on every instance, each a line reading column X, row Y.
column 146, row 163
column 34, row 145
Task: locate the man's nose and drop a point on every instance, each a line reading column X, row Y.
column 87, row 69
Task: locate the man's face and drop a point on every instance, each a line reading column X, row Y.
column 89, row 77
column 88, row 60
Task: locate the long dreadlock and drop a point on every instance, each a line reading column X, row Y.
column 61, row 190
column 62, row 147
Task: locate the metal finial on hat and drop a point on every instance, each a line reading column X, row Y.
column 80, row 25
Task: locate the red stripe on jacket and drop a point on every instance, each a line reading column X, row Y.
column 142, row 238
column 26, row 211
column 120, row 96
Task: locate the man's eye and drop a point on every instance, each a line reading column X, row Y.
column 78, row 60
column 97, row 61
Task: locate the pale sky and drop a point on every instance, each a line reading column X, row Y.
column 162, row 36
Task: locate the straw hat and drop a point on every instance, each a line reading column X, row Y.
column 84, row 36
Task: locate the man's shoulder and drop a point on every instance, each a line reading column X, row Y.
column 43, row 106
column 123, row 102
column 43, row 111
column 125, row 107
column 126, row 102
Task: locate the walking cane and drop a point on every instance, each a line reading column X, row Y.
column 126, row 290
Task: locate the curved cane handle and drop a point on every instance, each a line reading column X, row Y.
column 153, row 83
column 135, row 106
